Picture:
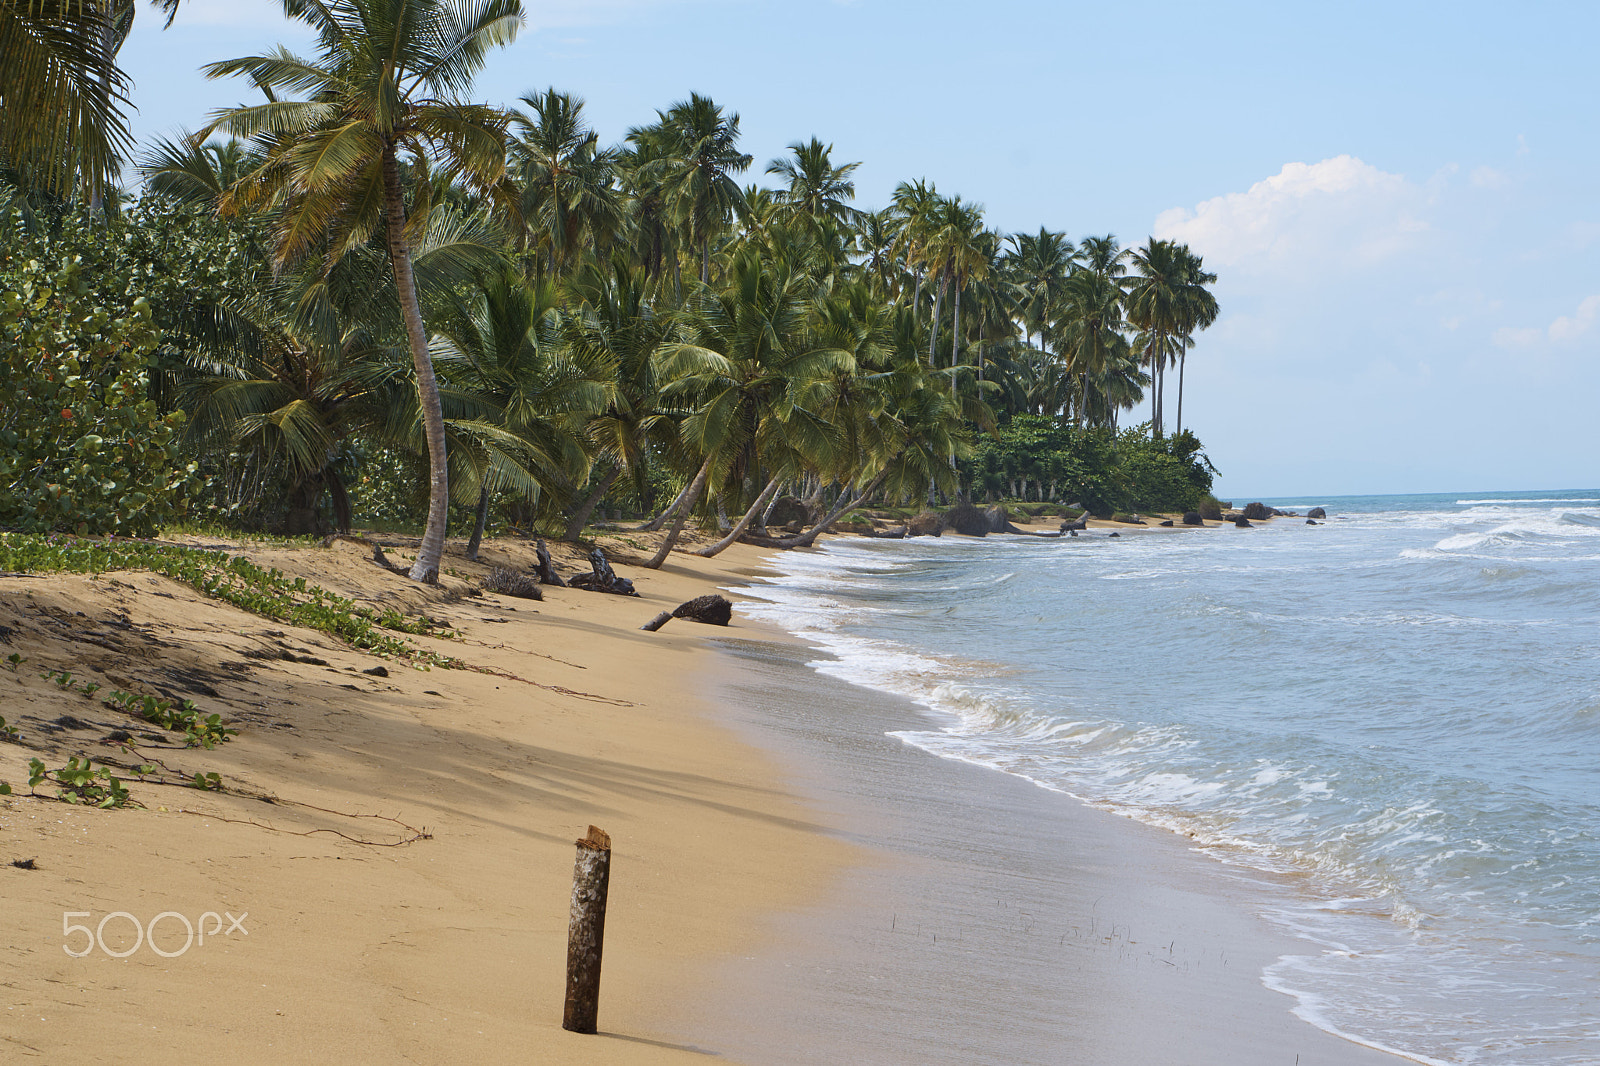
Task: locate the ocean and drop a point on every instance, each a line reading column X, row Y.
column 1395, row 714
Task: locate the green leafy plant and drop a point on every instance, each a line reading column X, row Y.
column 183, row 717
column 80, row 782
column 207, row 782
column 7, row 731
column 13, row 661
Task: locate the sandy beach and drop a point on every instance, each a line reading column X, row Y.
column 781, row 871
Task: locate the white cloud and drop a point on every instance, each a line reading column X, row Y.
column 1488, row 178
column 1564, row 329
column 1570, row 329
column 1306, row 216
column 1517, row 337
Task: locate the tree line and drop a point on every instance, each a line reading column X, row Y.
column 368, row 293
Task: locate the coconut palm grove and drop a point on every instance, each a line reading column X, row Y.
column 369, row 298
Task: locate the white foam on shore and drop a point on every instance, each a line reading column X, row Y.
column 1261, row 813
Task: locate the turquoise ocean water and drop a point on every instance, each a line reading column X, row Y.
column 1399, row 709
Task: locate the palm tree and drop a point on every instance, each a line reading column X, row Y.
column 522, row 399
column 1089, row 331
column 696, row 155
column 1037, row 267
column 62, row 95
column 614, row 324
column 816, row 188
column 1155, row 307
column 197, row 173
column 385, row 84
column 752, row 378
column 955, row 249
column 914, row 203
column 569, row 193
column 1200, row 310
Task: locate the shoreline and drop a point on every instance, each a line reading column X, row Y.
column 940, row 948
column 735, row 847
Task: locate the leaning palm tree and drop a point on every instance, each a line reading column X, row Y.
column 385, row 86
column 750, row 378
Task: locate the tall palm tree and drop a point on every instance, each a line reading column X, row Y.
column 385, row 85
column 569, row 193
column 1200, row 311
column 1037, row 266
column 955, row 249
column 816, row 188
column 696, row 155
column 1089, row 332
column 914, row 203
column 1153, row 307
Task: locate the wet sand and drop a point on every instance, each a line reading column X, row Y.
column 996, row 922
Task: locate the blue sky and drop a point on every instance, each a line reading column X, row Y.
column 1400, row 199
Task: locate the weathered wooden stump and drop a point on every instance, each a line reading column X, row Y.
column 586, row 931
column 546, row 569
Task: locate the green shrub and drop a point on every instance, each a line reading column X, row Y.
column 82, row 446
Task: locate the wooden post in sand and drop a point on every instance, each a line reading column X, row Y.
column 586, row 931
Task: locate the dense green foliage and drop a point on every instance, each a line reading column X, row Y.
column 385, row 314
column 83, row 447
column 1034, row 457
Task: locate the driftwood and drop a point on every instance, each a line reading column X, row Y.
column 1069, row 527
column 887, row 534
column 604, row 579
column 586, row 931
column 546, row 570
column 710, row 610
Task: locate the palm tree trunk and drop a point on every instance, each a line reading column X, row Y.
column 933, row 330
column 580, row 517
column 744, row 523
column 1183, row 357
column 481, row 520
column 692, row 495
column 672, row 508
column 845, row 502
column 426, row 568
column 955, row 330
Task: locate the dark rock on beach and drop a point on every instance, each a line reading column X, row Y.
column 711, row 610
column 1257, row 512
column 1192, row 518
column 1312, row 522
column 926, row 524
column 789, row 510
column 1316, row 512
column 1242, row 522
column 967, row 520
